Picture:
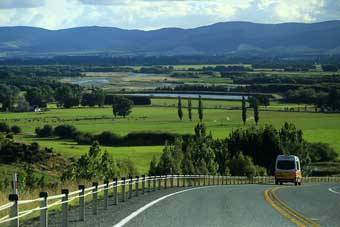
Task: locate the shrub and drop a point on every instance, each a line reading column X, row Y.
column 4, row 127
column 321, row 152
column 126, row 168
column 45, row 131
column 66, row 132
column 148, row 138
column 140, row 100
column 85, row 138
column 15, row 129
column 242, row 165
column 9, row 136
column 108, row 139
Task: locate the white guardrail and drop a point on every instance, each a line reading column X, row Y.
column 126, row 192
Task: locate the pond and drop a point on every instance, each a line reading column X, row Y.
column 90, row 81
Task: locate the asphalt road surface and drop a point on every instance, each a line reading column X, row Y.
column 223, row 205
column 241, row 205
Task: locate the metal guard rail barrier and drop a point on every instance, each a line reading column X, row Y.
column 66, row 197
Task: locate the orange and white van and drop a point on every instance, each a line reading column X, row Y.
column 288, row 169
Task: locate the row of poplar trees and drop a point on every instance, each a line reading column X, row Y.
column 254, row 104
column 189, row 106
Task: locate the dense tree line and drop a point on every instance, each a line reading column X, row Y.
column 137, row 100
column 106, row 138
column 246, row 151
column 283, row 79
column 326, row 101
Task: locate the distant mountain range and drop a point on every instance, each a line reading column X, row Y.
column 229, row 38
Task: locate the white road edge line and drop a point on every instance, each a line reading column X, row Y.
column 140, row 210
column 332, row 190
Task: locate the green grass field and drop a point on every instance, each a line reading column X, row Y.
column 220, row 122
column 317, row 127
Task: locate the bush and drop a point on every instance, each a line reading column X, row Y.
column 85, row 138
column 4, row 127
column 108, row 139
column 66, row 132
column 46, row 131
column 321, row 152
column 9, row 136
column 148, row 138
column 15, row 129
column 126, row 168
column 140, row 100
column 242, row 165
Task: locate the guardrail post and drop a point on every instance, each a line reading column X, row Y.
column 94, row 198
column 137, row 185
column 64, row 207
column 81, row 202
column 149, row 183
column 172, row 181
column 14, row 212
column 44, row 210
column 178, row 181
column 106, row 194
column 130, row 188
column 159, row 182
column 115, row 191
column 154, row 183
column 143, row 184
column 166, row 182
column 123, row 189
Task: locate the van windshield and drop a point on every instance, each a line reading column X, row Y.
column 285, row 164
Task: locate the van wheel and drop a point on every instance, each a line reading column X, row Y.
column 280, row 182
column 276, row 182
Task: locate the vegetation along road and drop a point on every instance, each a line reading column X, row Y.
column 228, row 205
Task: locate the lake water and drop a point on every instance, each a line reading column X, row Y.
column 188, row 95
column 90, row 81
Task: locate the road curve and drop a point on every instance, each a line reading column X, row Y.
column 319, row 203
column 231, row 205
column 243, row 205
column 222, row 205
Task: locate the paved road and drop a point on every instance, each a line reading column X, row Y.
column 242, row 205
column 315, row 202
column 223, row 205
column 232, row 205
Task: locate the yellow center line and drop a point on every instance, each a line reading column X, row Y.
column 290, row 214
column 305, row 219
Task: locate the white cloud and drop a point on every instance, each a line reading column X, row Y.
column 293, row 10
column 151, row 14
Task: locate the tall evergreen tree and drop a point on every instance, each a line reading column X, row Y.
column 180, row 111
column 244, row 111
column 200, row 108
column 189, row 109
column 153, row 171
column 256, row 111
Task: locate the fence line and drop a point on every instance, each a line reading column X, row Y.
column 159, row 182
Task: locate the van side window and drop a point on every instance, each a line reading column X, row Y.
column 297, row 165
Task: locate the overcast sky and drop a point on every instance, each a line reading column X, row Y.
column 153, row 14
